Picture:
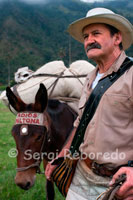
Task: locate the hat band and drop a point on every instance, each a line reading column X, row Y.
column 30, row 118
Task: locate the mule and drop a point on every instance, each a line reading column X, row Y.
column 40, row 132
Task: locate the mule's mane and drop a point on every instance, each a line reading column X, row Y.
column 55, row 107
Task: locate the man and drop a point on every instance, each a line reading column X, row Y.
column 108, row 139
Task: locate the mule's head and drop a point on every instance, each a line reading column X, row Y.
column 29, row 133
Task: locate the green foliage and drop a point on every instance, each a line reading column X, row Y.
column 2, row 87
column 8, row 189
column 32, row 35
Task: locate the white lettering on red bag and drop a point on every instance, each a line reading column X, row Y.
column 30, row 118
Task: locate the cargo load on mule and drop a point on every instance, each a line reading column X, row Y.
column 62, row 83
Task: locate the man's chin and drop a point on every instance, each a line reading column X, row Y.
column 93, row 57
column 93, row 54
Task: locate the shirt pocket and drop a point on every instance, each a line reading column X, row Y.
column 117, row 110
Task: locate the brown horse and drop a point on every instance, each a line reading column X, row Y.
column 40, row 131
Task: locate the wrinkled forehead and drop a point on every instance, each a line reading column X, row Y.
column 95, row 26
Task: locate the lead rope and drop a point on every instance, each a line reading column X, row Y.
column 102, row 194
column 112, row 195
column 109, row 194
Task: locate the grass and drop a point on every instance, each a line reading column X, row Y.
column 8, row 189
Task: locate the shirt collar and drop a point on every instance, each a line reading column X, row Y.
column 116, row 65
column 91, row 77
column 113, row 68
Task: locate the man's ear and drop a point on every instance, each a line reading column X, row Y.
column 118, row 38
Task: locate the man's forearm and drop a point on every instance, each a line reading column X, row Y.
column 67, row 145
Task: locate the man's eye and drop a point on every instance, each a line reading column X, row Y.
column 96, row 33
column 85, row 36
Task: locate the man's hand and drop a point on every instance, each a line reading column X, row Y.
column 126, row 190
column 64, row 152
column 49, row 170
column 54, row 163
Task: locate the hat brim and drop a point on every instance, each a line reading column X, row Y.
column 122, row 24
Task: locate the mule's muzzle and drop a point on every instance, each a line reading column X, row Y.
column 25, row 186
column 25, row 180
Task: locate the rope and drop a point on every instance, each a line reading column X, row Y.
column 56, row 75
column 101, row 194
column 54, row 83
column 66, row 99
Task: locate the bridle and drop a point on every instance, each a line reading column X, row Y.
column 37, row 163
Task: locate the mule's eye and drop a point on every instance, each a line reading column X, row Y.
column 38, row 138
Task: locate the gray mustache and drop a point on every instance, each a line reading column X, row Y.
column 93, row 46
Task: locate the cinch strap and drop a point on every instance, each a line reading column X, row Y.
column 30, row 118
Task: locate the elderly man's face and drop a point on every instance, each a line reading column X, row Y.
column 98, row 42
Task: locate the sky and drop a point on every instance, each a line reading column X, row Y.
column 35, row 1
column 91, row 1
column 30, row 1
column 38, row 1
column 45, row 1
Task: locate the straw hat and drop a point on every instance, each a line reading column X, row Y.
column 103, row 15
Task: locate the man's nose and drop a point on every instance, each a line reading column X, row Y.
column 90, row 40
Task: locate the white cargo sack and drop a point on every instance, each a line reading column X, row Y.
column 62, row 83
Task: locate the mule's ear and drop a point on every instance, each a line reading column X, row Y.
column 15, row 102
column 41, row 99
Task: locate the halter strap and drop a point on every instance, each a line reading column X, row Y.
column 32, row 118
